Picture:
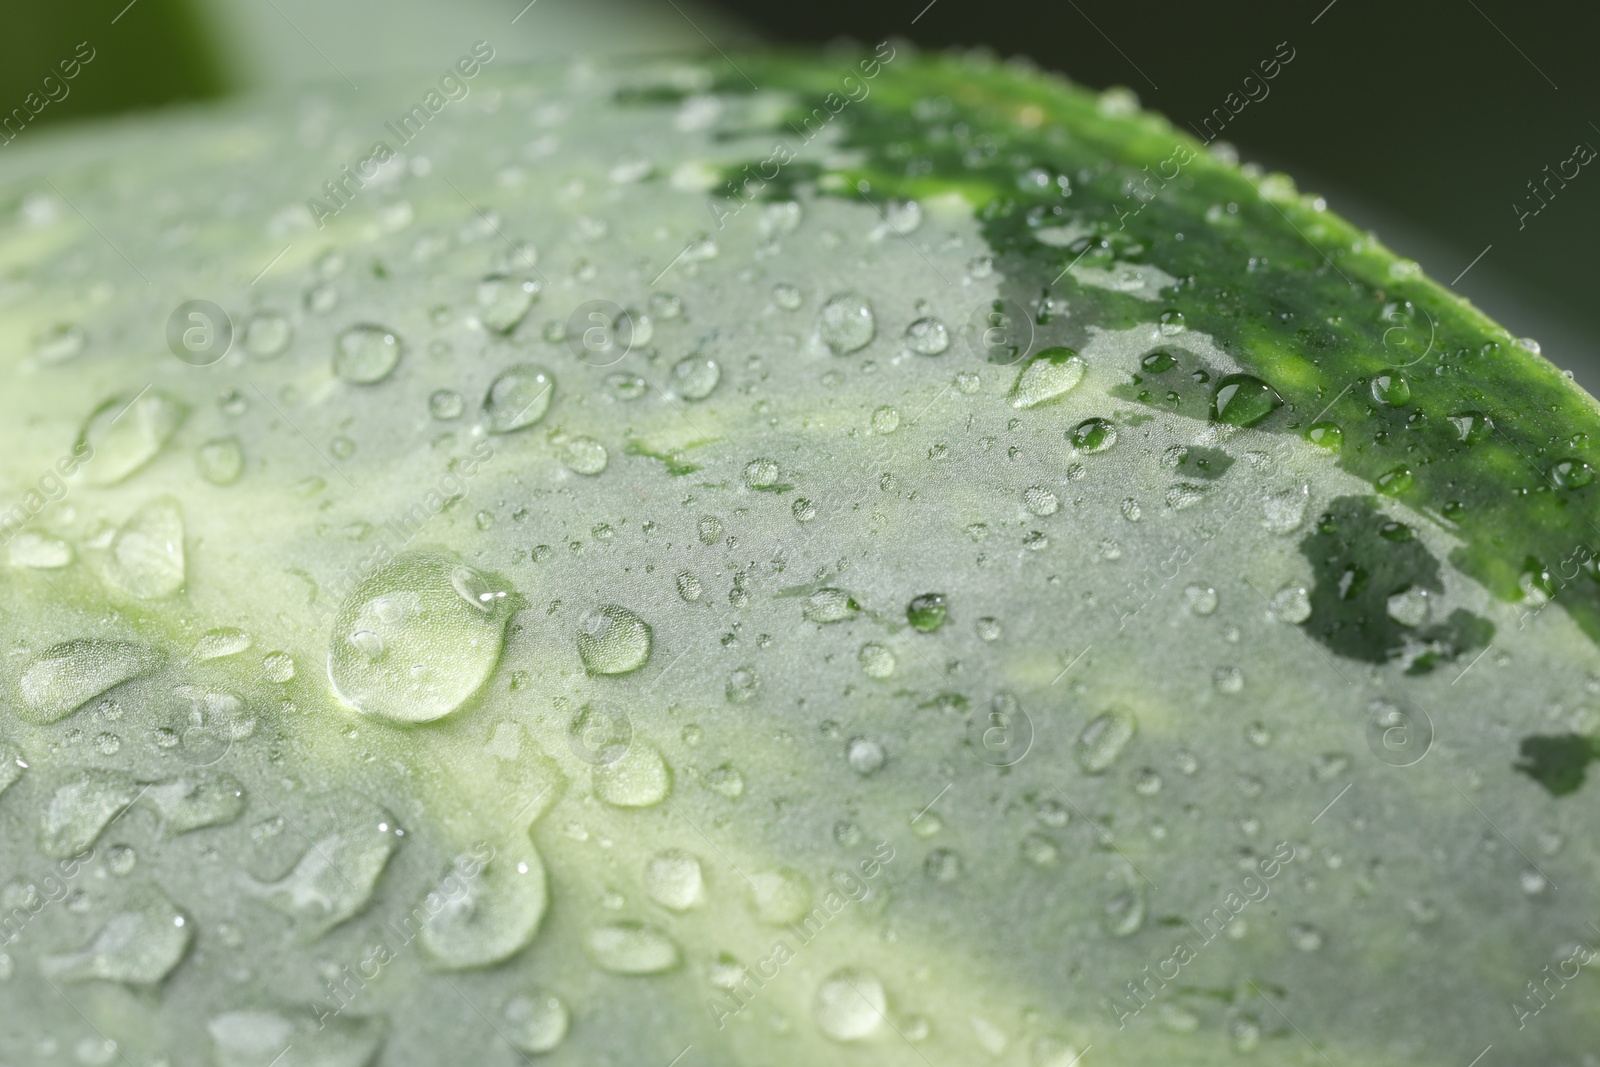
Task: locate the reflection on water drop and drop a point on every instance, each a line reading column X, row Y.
column 417, row 638
column 850, row 1005
column 366, row 354
column 613, row 640
column 518, row 398
column 846, row 323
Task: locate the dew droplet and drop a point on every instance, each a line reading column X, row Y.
column 780, row 896
column 846, row 323
column 534, row 1024
column 585, row 455
column 486, row 907
column 613, row 640
column 366, row 354
column 761, row 474
column 1571, row 474
column 1050, row 374
column 139, row 946
column 39, row 551
column 927, row 337
column 416, row 638
column 1103, row 740
column 1093, row 435
column 125, row 433
column 1243, row 400
column 850, row 1005
column 267, row 334
column 674, row 880
column 631, row 948
column 196, row 800
column 504, row 301
column 885, row 420
column 1391, row 389
column 926, row 613
column 335, row 877
column 864, row 755
column 695, row 377
column 1393, row 482
column 147, row 557
column 1292, row 604
column 60, row 343
column 81, row 808
column 876, row 660
column 830, row 605
column 518, row 398
column 220, row 461
column 1326, row 435
column 446, row 404
column 64, row 677
column 786, row 297
column 638, row 778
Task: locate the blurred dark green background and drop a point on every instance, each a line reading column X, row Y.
column 1423, row 120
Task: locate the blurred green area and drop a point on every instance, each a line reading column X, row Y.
column 157, row 52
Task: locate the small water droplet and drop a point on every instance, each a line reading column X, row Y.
column 638, row 778
column 535, row 1024
column 1040, row 501
column 876, row 660
column 1103, row 740
column 885, row 420
column 846, row 323
column 850, row 1005
column 147, row 556
column 926, row 613
column 864, row 755
column 1326, row 435
column 786, row 297
column 585, row 455
column 695, row 377
column 409, row 645
column 1093, row 435
column 220, row 461
column 267, row 334
column 366, row 354
column 1391, row 389
column 1050, row 374
column 446, row 404
column 631, row 948
column 64, row 677
column 486, row 907
column 927, row 337
column 137, row 947
column 1243, row 400
column 780, row 896
column 613, row 640
column 518, row 397
column 761, row 474
column 674, row 880
column 504, row 301
column 830, row 605
column 125, row 433
column 39, row 551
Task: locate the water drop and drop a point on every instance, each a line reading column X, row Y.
column 1571, row 474
column 1124, row 914
column 64, row 677
column 942, row 865
column 830, row 605
column 139, row 946
column 81, row 808
column 446, row 404
column 1158, row 362
column 39, row 551
column 267, row 334
column 689, row 587
column 518, row 398
column 780, row 897
column 613, row 640
column 366, row 354
column 927, row 337
column 1472, row 426
column 695, row 377
column 486, row 907
column 674, row 880
column 534, row 1024
column 876, row 660
column 1052, row 373
column 196, row 800
column 786, row 297
column 416, row 638
column 926, row 613
column 336, row 875
column 885, row 420
column 850, row 1005
column 1093, row 435
column 147, row 557
column 125, row 433
column 761, row 474
column 220, row 461
column 846, row 323
column 1201, row 599
column 585, row 455
column 638, row 778
column 503, row 302
column 1292, row 604
column 1394, row 482
column 1103, row 740
column 1243, row 400
column 631, row 948
column 864, row 755
column 1326, row 435
column 1391, row 389
column 1040, row 501
column 60, row 343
